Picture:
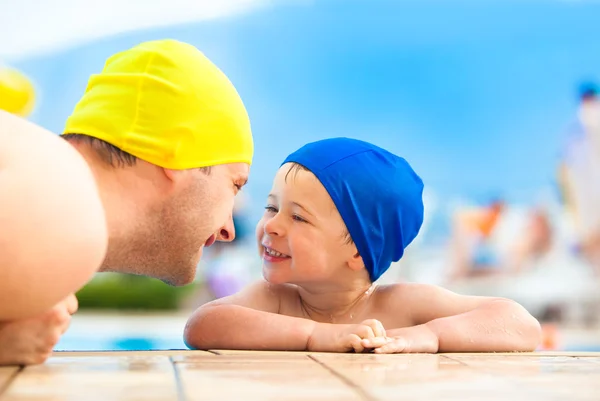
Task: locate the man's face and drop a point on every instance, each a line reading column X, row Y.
column 195, row 213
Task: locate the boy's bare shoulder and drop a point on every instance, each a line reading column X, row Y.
column 399, row 292
column 260, row 295
column 421, row 303
column 273, row 290
column 405, row 301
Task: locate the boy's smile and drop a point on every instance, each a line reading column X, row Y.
column 273, row 256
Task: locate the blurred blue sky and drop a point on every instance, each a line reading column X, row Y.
column 475, row 94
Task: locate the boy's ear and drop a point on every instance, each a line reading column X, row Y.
column 356, row 262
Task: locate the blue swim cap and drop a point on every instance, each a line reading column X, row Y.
column 377, row 193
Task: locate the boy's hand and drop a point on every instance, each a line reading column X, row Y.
column 344, row 337
column 31, row 341
column 416, row 339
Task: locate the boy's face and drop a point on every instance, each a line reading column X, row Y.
column 301, row 234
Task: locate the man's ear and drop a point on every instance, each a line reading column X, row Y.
column 172, row 181
column 179, row 176
column 172, row 175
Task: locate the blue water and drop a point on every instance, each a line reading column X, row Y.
column 582, row 348
column 92, row 343
column 70, row 343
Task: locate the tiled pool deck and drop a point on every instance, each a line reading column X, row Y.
column 245, row 375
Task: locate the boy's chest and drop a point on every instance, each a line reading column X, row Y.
column 390, row 318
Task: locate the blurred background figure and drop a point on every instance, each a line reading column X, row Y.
column 494, row 240
column 536, row 242
column 579, row 174
column 474, row 251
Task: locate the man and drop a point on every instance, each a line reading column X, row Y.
column 168, row 141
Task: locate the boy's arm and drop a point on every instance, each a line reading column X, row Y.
column 448, row 322
column 250, row 320
column 247, row 320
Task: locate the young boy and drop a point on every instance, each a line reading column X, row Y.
column 339, row 213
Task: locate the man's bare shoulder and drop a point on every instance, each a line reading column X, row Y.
column 19, row 133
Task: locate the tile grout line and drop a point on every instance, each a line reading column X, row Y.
column 181, row 396
column 361, row 392
column 456, row 360
column 515, row 381
column 10, row 380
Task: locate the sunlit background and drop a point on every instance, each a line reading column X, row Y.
column 492, row 102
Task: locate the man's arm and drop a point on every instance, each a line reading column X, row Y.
column 53, row 234
column 31, row 341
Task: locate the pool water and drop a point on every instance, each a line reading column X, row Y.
column 110, row 332
column 124, row 332
column 130, row 343
column 133, row 343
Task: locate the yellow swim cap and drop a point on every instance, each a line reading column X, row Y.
column 166, row 103
column 17, row 94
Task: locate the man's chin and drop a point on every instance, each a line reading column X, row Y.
column 175, row 274
column 179, row 281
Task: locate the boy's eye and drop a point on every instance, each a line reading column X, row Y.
column 298, row 218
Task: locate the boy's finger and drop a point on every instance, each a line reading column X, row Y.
column 379, row 330
column 375, row 342
column 393, row 347
column 356, row 341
